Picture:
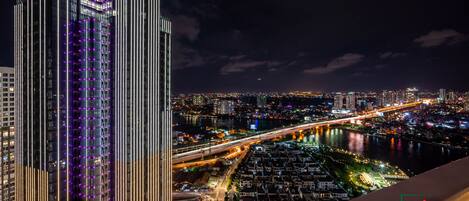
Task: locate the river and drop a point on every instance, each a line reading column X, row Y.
column 412, row 157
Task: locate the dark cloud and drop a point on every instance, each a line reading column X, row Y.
column 388, row 55
column 344, row 61
column 380, row 66
column 185, row 32
column 187, row 57
column 442, row 37
column 238, row 64
column 186, row 27
column 242, row 66
column 273, row 69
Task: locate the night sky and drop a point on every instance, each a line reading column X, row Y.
column 280, row 45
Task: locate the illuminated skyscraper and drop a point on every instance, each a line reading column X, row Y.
column 411, row 94
column 93, row 112
column 63, row 70
column 261, row 101
column 7, row 134
column 442, row 96
column 344, row 103
column 339, row 101
column 142, row 110
column 452, row 97
column 388, row 98
column 351, row 101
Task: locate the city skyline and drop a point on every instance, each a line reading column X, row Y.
column 160, row 100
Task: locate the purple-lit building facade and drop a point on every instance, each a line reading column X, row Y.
column 93, row 110
column 63, row 59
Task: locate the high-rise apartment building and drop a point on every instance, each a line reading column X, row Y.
column 142, row 110
column 93, row 119
column 345, row 102
column 7, row 106
column 351, row 101
column 402, row 96
column 63, row 66
column 338, row 101
column 388, row 98
column 451, row 97
column 442, row 96
column 411, row 94
column 7, row 134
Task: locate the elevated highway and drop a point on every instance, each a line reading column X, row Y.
column 203, row 151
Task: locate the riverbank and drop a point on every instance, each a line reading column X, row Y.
column 357, row 174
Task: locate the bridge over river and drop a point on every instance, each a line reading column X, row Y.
column 199, row 151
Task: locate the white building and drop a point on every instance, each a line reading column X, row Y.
column 7, row 136
column 338, row 101
column 344, row 103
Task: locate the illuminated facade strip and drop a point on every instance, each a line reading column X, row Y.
column 18, row 63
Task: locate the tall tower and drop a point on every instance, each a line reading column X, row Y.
column 411, row 94
column 442, row 96
column 63, row 115
column 142, row 114
column 351, row 101
column 7, row 134
column 338, row 101
column 93, row 100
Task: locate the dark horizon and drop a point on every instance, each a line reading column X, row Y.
column 245, row 46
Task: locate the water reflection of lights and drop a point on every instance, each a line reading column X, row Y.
column 411, row 147
column 392, row 144
column 356, row 143
column 399, row 144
